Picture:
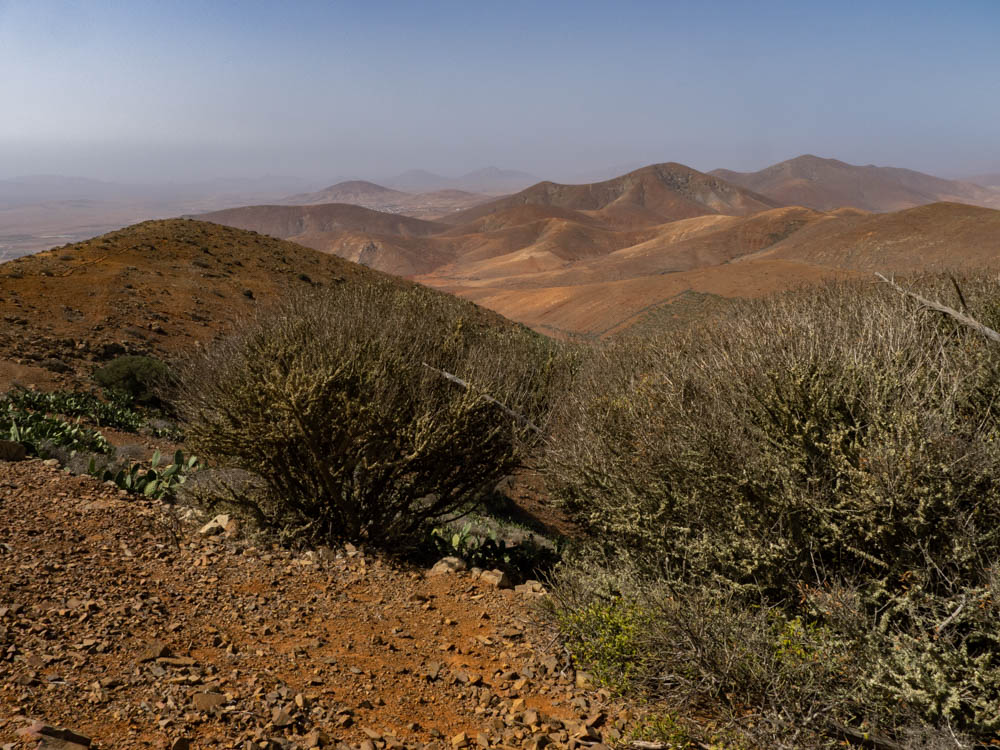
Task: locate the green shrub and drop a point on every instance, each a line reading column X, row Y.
column 486, row 549
column 819, row 442
column 154, row 481
column 338, row 404
column 140, row 379
column 604, row 634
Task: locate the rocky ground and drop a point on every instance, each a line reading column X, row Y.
column 122, row 621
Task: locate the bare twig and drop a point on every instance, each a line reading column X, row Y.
column 951, row 312
column 951, row 617
column 521, row 420
column 958, row 291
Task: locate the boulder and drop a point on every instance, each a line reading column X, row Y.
column 54, row 738
column 448, row 565
column 496, row 578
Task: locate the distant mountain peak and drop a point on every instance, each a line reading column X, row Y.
column 825, row 184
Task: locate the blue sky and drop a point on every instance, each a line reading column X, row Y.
column 128, row 89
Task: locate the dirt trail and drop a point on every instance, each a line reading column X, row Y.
column 132, row 628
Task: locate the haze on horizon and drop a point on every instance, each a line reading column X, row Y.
column 150, row 92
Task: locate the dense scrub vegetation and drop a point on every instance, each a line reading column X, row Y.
column 346, row 412
column 794, row 516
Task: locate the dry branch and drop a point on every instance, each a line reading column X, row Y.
column 951, row 312
column 521, row 419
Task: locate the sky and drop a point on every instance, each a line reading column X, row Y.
column 181, row 90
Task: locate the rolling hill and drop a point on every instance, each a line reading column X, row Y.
column 592, row 259
column 654, row 194
column 379, row 198
column 826, row 184
column 156, row 287
column 934, row 237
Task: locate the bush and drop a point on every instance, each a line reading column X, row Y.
column 140, row 379
column 152, row 481
column 337, row 403
column 831, row 456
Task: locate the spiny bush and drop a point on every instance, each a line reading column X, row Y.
column 823, row 441
column 338, row 403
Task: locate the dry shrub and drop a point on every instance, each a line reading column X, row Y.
column 332, row 403
column 820, row 442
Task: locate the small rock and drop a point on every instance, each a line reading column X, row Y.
column 584, row 680
column 208, row 701
column 316, row 738
column 216, row 526
column 447, row 565
column 496, row 578
column 530, row 588
column 460, row 740
column 155, row 649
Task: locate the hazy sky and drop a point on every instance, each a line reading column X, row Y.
column 175, row 90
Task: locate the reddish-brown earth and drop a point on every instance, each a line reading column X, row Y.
column 157, row 287
column 119, row 619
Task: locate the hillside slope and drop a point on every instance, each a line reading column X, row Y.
column 154, row 287
column 935, row 237
column 825, row 184
column 651, row 195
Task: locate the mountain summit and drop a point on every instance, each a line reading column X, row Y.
column 826, row 184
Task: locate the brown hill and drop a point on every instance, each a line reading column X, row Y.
column 724, row 256
column 357, row 192
column 369, row 195
column 651, row 195
column 936, row 237
column 380, row 240
column 647, row 238
column 156, row 287
column 825, row 184
column 290, row 221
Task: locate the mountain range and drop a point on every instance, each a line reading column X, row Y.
column 587, row 259
column 595, row 258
